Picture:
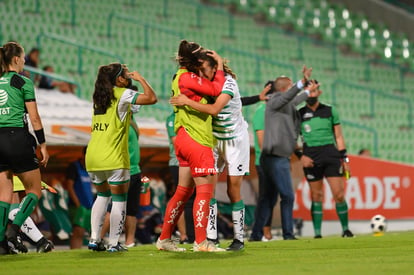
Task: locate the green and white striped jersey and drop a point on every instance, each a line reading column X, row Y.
column 229, row 123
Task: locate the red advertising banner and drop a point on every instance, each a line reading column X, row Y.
column 375, row 187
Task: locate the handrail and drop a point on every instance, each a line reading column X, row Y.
column 200, row 9
column 402, row 70
column 72, row 11
column 140, row 22
column 300, row 39
column 258, row 60
column 79, row 46
column 55, row 76
column 372, row 94
column 367, row 129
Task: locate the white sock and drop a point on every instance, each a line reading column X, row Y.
column 212, row 220
column 29, row 228
column 238, row 222
column 117, row 220
column 98, row 215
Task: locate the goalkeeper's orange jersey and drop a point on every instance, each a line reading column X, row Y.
column 198, row 125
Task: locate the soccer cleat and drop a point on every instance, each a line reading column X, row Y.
column 347, row 234
column 168, row 245
column 236, row 245
column 185, row 241
column 117, row 248
column 207, row 246
column 96, row 246
column 215, row 241
column 44, row 245
column 318, row 237
column 14, row 241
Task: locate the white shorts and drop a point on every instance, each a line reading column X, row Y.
column 235, row 153
column 115, row 177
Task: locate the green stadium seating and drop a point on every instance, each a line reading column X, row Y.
column 294, row 33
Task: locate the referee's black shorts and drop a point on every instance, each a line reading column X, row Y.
column 326, row 162
column 17, row 150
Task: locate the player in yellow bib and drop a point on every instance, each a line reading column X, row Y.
column 107, row 157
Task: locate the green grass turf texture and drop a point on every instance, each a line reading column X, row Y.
column 392, row 253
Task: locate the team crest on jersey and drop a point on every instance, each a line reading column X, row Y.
column 307, row 128
column 307, row 115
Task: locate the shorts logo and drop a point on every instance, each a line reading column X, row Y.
column 310, row 176
column 240, row 167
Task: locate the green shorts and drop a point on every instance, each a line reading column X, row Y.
column 82, row 218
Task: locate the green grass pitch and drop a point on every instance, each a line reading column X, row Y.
column 392, row 253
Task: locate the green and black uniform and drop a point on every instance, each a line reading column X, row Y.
column 17, row 145
column 319, row 143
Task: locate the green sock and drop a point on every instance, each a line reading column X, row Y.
column 317, row 215
column 4, row 217
column 27, row 206
column 342, row 211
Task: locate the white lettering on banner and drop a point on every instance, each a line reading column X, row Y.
column 391, row 184
column 353, row 192
column 373, row 185
column 378, row 192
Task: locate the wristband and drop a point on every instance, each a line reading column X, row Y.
column 40, row 136
column 343, row 154
column 298, row 154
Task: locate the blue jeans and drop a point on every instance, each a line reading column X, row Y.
column 278, row 182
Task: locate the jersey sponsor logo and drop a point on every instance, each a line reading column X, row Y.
column 100, row 127
column 307, row 128
column 3, row 97
column 5, row 111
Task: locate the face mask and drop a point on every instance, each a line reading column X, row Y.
column 311, row 101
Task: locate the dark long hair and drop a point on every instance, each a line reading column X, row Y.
column 212, row 63
column 188, row 55
column 105, row 81
column 7, row 52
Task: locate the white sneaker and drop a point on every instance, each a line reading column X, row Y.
column 129, row 245
column 168, row 245
column 274, row 238
column 207, row 246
